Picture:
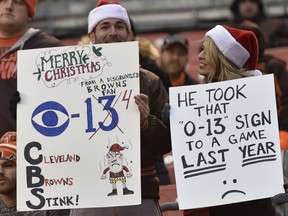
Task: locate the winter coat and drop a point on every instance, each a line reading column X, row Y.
column 8, row 73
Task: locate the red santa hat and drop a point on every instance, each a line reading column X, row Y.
column 8, row 146
column 239, row 46
column 116, row 148
column 105, row 10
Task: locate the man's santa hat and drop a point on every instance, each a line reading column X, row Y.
column 117, row 148
column 105, row 10
column 239, row 46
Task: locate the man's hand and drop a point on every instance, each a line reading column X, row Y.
column 142, row 102
column 281, row 198
column 166, row 114
column 8, row 137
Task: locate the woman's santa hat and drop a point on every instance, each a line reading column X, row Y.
column 239, row 46
column 105, row 10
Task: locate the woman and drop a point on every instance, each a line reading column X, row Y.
column 226, row 54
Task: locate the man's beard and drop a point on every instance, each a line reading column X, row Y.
column 113, row 40
column 174, row 69
column 7, row 188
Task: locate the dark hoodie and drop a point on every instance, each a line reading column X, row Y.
column 237, row 18
column 277, row 32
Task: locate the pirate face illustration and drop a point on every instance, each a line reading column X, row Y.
column 115, row 161
column 116, row 169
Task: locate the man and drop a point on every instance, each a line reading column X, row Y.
column 275, row 31
column 8, row 180
column 15, row 35
column 174, row 59
column 108, row 23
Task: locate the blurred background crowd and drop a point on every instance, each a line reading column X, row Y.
column 154, row 20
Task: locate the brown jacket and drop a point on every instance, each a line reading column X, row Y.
column 9, row 85
column 155, row 140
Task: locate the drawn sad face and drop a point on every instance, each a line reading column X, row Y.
column 115, row 161
column 232, row 191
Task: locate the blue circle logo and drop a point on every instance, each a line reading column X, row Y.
column 50, row 119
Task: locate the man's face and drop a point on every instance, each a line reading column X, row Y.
column 7, row 177
column 173, row 60
column 248, row 9
column 109, row 31
column 115, row 161
column 13, row 13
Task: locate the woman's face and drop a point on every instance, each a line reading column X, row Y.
column 205, row 65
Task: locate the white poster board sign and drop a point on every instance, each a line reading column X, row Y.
column 225, row 142
column 78, row 127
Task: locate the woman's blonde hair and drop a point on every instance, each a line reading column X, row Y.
column 224, row 69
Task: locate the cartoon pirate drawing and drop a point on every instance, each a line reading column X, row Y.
column 116, row 169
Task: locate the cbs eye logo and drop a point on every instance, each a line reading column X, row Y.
column 50, row 119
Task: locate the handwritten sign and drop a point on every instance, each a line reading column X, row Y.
column 78, row 127
column 225, row 142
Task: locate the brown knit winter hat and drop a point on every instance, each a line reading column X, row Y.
column 8, row 146
column 31, row 6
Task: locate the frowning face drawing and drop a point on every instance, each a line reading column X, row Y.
column 231, row 191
